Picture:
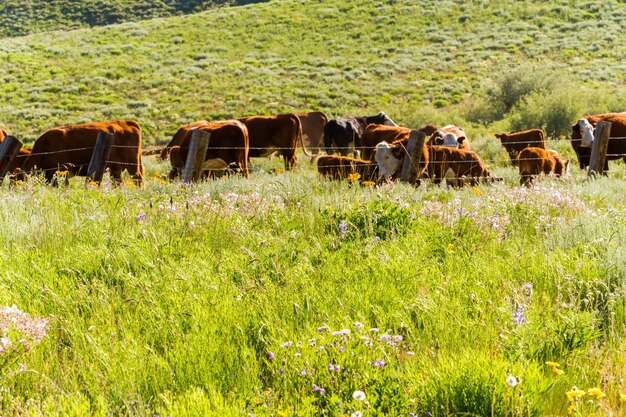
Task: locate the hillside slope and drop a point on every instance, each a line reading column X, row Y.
column 343, row 57
column 29, row 16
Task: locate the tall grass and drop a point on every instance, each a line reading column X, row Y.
column 286, row 294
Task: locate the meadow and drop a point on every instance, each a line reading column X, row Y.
column 287, row 295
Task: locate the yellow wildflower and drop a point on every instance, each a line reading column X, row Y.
column 368, row 183
column 554, row 367
column 279, row 171
column 622, row 397
column 477, row 190
column 282, row 414
column 61, row 173
column 92, row 184
column 596, row 392
column 354, row 177
column 574, row 394
column 571, row 409
column 562, row 137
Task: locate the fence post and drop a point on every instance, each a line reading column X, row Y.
column 99, row 157
column 8, row 149
column 198, row 146
column 599, row 148
column 413, row 157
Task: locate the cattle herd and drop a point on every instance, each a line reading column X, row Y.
column 380, row 144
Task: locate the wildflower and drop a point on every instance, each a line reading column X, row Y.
column 368, row 183
column 358, row 395
column 518, row 315
column 92, row 184
column 303, row 372
column 511, row 381
column 323, row 328
column 279, row 171
column 358, row 325
column 281, row 371
column 356, row 414
column 342, row 349
column 409, row 352
column 381, row 363
column 343, row 226
column 376, row 239
column 574, row 394
column 192, row 224
column 398, row 338
column 528, row 289
column 270, row 355
column 281, row 414
column 571, row 409
column 374, row 329
column 286, row 344
column 554, row 367
column 140, row 217
column 596, row 393
column 622, row 398
column 385, row 337
column 354, row 177
column 315, row 388
column 477, row 190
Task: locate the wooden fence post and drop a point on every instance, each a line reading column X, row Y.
column 8, row 149
column 413, row 157
column 198, row 146
column 598, row 149
column 99, row 157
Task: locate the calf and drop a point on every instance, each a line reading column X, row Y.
column 340, row 167
column 535, row 161
column 515, row 142
column 456, row 165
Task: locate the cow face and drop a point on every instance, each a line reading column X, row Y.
column 586, row 133
column 388, row 158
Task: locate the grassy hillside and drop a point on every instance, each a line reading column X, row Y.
column 344, row 57
column 28, row 16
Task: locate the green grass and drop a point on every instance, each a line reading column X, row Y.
column 169, row 300
column 176, row 312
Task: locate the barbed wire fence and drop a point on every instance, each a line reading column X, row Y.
column 65, row 163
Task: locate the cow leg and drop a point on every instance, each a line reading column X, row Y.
column 290, row 159
column 605, row 168
column 116, row 176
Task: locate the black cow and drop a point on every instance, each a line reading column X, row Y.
column 343, row 133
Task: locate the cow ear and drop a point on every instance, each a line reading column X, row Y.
column 498, row 135
column 397, row 152
column 566, row 167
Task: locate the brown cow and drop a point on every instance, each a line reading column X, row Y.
column 313, row 130
column 456, row 165
column 535, row 161
column 180, row 134
column 269, row 134
column 69, row 148
column 514, row 142
column 3, row 133
column 340, row 167
column 617, row 139
column 449, row 136
column 228, row 143
column 376, row 133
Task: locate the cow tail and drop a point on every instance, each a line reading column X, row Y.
column 299, row 135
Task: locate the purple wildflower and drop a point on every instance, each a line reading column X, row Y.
column 518, row 315
column 303, row 372
column 141, row 217
column 270, row 355
column 343, row 226
column 281, row 371
column 286, row 344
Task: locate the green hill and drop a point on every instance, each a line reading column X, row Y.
column 22, row 17
column 426, row 61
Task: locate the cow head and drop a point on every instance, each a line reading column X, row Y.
column 381, row 119
column 586, row 133
column 583, row 153
column 388, row 158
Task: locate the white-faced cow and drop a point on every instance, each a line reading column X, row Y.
column 450, row 136
column 582, row 138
